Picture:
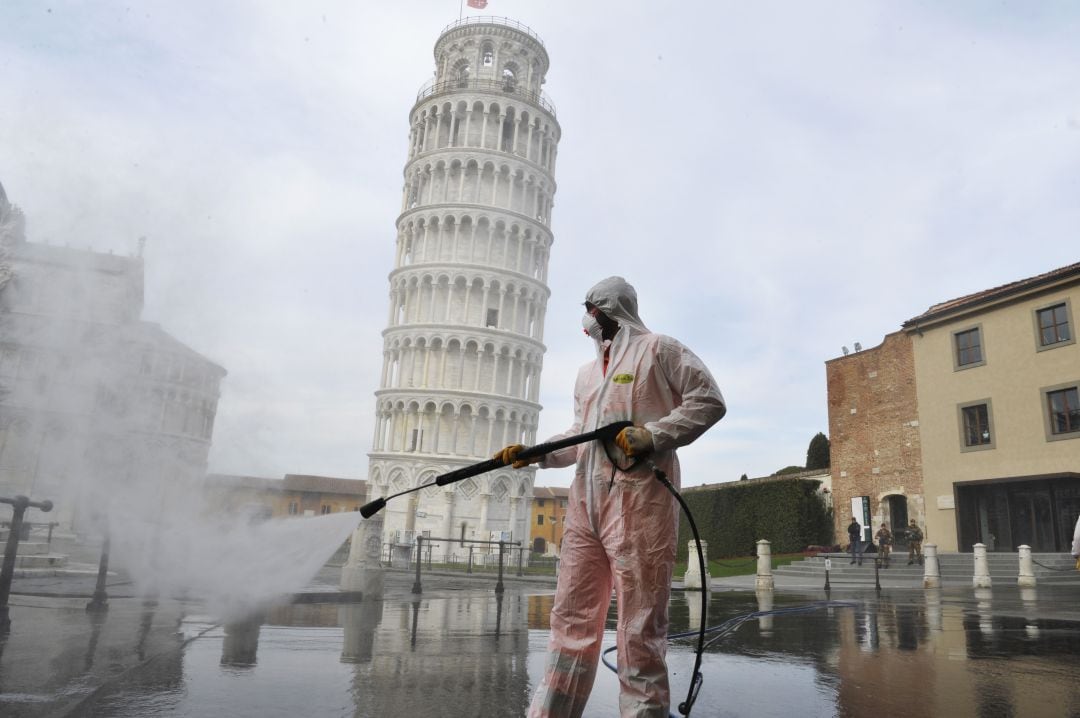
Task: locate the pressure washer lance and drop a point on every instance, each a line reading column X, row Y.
column 604, row 433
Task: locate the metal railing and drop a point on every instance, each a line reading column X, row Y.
column 486, row 20
column 470, row 559
column 504, row 86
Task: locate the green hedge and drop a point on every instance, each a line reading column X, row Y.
column 732, row 518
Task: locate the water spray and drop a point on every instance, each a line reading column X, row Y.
column 604, row 433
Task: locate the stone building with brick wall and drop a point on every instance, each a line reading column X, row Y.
column 874, row 437
column 967, row 420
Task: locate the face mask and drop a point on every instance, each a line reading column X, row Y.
column 592, row 327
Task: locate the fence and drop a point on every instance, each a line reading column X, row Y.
column 470, row 557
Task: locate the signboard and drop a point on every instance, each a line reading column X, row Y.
column 860, row 510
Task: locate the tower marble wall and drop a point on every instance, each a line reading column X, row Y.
column 463, row 347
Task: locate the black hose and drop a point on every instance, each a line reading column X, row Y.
column 696, row 681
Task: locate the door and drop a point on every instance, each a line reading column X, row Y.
column 898, row 519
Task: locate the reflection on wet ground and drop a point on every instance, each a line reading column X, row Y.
column 468, row 653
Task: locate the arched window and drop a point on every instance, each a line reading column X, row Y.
column 461, row 72
column 487, row 56
column 509, row 76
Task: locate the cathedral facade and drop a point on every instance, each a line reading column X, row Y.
column 463, row 347
column 95, row 403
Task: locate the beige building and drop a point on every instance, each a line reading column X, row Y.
column 997, row 377
column 295, row 495
column 548, row 519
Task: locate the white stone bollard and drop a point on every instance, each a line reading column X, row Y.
column 1030, row 598
column 932, row 570
column 933, row 610
column 692, row 580
column 985, row 609
column 363, row 571
column 1026, row 579
column 982, row 568
column 765, row 603
column 764, row 580
column 693, row 605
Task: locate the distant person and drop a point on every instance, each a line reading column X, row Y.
column 914, row 543
column 884, row 539
column 1076, row 543
column 854, row 532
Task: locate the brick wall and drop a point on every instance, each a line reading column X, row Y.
column 874, row 430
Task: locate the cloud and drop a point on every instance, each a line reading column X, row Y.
column 778, row 180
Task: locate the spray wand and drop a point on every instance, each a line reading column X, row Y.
column 604, row 433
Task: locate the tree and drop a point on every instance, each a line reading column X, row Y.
column 743, row 478
column 817, row 454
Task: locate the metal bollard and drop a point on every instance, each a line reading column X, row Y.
column 499, row 586
column 828, row 566
column 764, row 579
column 416, row 587
column 981, row 579
column 931, row 569
column 1026, row 579
column 877, row 573
column 521, row 557
column 100, row 600
column 469, row 568
column 19, row 505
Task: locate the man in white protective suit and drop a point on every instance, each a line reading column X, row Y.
column 621, row 522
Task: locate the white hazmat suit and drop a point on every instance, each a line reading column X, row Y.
column 621, row 533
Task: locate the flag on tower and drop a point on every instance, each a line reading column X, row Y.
column 478, row 4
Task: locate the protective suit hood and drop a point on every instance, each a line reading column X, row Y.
column 616, row 298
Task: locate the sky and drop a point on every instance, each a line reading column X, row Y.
column 778, row 180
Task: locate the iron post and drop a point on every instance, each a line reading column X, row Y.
column 19, row 505
column 100, row 601
column 499, row 586
column 419, row 550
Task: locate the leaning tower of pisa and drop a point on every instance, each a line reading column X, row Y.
column 463, row 347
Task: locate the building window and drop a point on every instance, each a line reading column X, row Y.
column 1063, row 412
column 1052, row 326
column 540, row 503
column 492, row 318
column 488, row 56
column 976, row 426
column 968, row 348
column 294, row 508
column 539, row 519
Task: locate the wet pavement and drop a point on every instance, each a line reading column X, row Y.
column 459, row 650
